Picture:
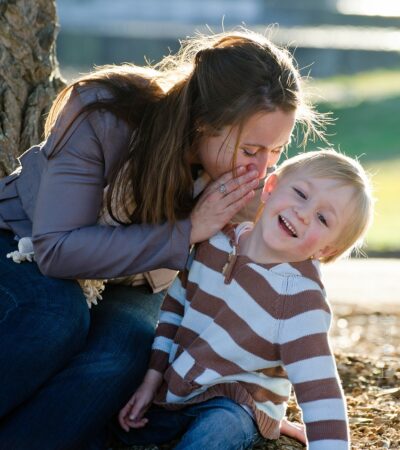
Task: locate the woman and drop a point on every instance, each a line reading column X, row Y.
column 114, row 191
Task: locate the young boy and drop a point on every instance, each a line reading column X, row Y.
column 249, row 318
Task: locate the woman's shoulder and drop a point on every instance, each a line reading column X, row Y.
column 91, row 92
column 110, row 132
column 77, row 98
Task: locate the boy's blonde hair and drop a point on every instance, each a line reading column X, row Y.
column 349, row 172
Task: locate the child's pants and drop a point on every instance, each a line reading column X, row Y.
column 217, row 424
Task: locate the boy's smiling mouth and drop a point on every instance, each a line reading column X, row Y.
column 287, row 226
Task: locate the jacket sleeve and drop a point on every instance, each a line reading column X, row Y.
column 68, row 241
column 311, row 368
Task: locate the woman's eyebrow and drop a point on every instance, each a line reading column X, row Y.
column 263, row 147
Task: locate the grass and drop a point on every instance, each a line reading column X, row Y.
column 368, row 129
column 366, row 109
column 366, row 113
column 347, row 89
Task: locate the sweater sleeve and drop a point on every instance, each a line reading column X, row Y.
column 67, row 240
column 171, row 315
column 311, row 368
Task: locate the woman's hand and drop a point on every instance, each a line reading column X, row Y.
column 220, row 201
column 131, row 415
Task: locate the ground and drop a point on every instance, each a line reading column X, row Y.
column 367, row 350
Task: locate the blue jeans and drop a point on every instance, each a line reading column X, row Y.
column 66, row 370
column 217, row 424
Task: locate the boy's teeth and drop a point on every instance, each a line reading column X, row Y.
column 289, row 226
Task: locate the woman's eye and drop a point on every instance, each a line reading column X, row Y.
column 248, row 153
column 322, row 219
column 300, row 193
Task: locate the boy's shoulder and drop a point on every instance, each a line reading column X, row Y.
column 221, row 241
column 225, row 238
column 293, row 279
column 233, row 230
column 307, row 269
column 217, row 247
column 229, row 231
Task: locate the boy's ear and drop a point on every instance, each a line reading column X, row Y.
column 270, row 184
column 325, row 252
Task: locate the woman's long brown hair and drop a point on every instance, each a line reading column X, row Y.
column 212, row 82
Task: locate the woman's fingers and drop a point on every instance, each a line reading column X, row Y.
column 229, row 197
column 240, row 185
column 220, row 201
column 238, row 194
column 236, row 202
column 228, row 183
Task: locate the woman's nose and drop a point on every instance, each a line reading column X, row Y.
column 262, row 164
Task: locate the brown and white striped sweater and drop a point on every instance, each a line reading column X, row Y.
column 250, row 337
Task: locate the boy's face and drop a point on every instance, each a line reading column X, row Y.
column 304, row 216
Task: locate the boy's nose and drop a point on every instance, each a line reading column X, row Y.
column 302, row 214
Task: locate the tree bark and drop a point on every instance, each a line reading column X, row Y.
column 29, row 74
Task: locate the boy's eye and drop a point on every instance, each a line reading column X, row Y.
column 248, row 152
column 300, row 193
column 322, row 219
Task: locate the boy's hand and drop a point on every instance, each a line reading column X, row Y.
column 131, row 415
column 294, row 430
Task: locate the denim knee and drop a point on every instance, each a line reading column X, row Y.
column 26, row 294
column 55, row 311
column 41, row 329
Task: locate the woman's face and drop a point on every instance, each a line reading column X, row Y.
column 262, row 141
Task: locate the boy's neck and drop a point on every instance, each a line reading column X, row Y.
column 249, row 245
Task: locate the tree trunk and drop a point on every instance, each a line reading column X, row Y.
column 29, row 74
